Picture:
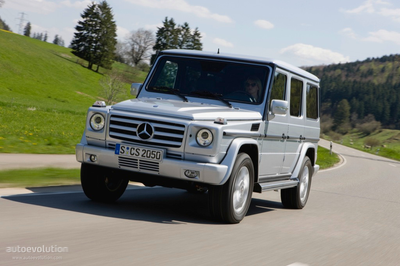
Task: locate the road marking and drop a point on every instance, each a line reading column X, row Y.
column 392, row 165
column 298, row 264
column 341, row 163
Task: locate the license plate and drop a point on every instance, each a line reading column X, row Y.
column 139, row 152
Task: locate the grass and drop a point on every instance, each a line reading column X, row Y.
column 325, row 159
column 389, row 142
column 39, row 130
column 39, row 177
column 45, row 92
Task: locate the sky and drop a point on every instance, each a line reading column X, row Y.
column 300, row 32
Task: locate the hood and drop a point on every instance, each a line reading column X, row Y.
column 184, row 110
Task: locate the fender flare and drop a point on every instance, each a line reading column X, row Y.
column 230, row 157
column 302, row 155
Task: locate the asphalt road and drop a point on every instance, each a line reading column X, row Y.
column 352, row 218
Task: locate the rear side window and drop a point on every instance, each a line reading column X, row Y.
column 296, row 92
column 312, row 101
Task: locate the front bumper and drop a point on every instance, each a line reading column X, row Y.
column 214, row 174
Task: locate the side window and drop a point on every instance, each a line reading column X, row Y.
column 296, row 92
column 312, row 101
column 168, row 75
column 278, row 89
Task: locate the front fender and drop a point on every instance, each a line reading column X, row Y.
column 232, row 153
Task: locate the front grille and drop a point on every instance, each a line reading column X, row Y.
column 136, row 164
column 166, row 134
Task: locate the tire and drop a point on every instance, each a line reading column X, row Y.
column 296, row 197
column 230, row 202
column 101, row 184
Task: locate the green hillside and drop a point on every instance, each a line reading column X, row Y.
column 44, row 94
column 371, row 87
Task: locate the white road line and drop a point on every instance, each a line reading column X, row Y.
column 340, row 164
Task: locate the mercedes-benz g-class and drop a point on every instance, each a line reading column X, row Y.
column 227, row 125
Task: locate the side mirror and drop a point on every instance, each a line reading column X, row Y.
column 278, row 107
column 135, row 88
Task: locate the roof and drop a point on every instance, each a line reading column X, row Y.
column 256, row 59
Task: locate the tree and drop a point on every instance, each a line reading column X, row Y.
column 58, row 40
column 139, row 44
column 55, row 41
column 112, row 88
column 38, row 36
column 27, row 29
column 195, row 41
column 84, row 39
column 172, row 36
column 45, row 37
column 342, row 116
column 166, row 36
column 95, row 39
column 121, row 53
column 107, row 37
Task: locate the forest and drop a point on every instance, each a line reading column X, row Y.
column 370, row 89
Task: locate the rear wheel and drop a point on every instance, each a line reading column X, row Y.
column 102, row 184
column 230, row 202
column 296, row 197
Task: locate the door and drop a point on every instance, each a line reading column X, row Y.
column 276, row 129
column 295, row 124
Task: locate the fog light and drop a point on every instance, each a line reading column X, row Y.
column 93, row 157
column 192, row 173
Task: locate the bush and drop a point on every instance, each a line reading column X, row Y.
column 142, row 66
column 112, row 88
column 343, row 128
column 372, row 142
column 334, row 135
column 326, row 124
column 368, row 125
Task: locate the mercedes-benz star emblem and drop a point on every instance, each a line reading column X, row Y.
column 145, row 131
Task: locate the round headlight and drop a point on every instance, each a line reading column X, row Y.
column 97, row 122
column 204, row 137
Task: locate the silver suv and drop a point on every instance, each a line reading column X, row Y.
column 227, row 125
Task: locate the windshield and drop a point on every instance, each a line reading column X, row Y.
column 221, row 80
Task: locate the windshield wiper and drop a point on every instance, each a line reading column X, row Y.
column 212, row 95
column 174, row 91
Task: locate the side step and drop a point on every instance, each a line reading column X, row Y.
column 261, row 187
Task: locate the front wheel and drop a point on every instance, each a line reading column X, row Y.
column 102, row 184
column 296, row 197
column 230, row 202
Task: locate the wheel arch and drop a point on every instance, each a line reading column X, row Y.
column 311, row 154
column 247, row 145
column 252, row 151
column 308, row 150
